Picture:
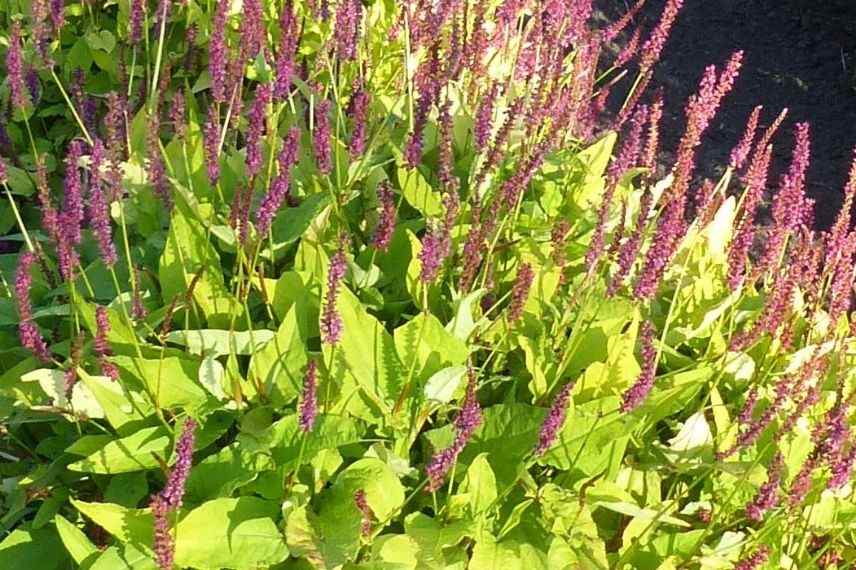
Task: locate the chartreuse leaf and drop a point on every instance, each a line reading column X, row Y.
column 76, row 542
column 220, row 342
column 278, row 365
column 285, row 438
column 591, row 437
column 366, row 360
column 338, row 519
column 118, row 410
column 230, row 533
column 127, row 525
column 419, row 193
column 426, row 347
column 171, row 381
column 444, row 384
column 220, row 474
column 28, row 549
column 508, row 433
column 188, row 254
column 136, row 452
column 296, row 289
column 126, row 557
column 492, row 555
column 479, row 486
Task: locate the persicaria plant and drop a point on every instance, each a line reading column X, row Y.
column 374, row 284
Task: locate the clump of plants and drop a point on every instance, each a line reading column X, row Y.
column 385, row 285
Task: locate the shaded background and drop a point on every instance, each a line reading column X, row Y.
column 799, row 54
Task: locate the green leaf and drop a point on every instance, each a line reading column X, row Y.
column 26, row 550
column 136, row 452
column 75, row 541
column 78, row 57
column 230, row 533
column 220, row 342
column 171, row 381
column 19, row 181
column 103, row 40
column 424, row 345
column 366, row 361
column 292, row 223
column 279, row 364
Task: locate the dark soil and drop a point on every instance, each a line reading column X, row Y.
column 799, row 54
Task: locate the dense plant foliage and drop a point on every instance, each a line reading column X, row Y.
column 381, row 285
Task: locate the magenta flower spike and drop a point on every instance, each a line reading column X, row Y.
column 173, row 491
column 331, row 321
column 740, row 153
column 767, row 496
column 256, row 129
column 468, row 420
column 164, row 546
column 99, row 207
column 218, row 52
column 278, row 192
column 520, row 291
column 15, row 67
column 637, row 393
column 321, row 137
column 554, row 421
column 28, row 332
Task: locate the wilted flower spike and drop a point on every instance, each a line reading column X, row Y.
column 386, row 222
column 331, row 321
column 555, row 420
column 754, row 560
column 309, row 399
column 637, row 393
column 365, row 512
column 211, row 135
